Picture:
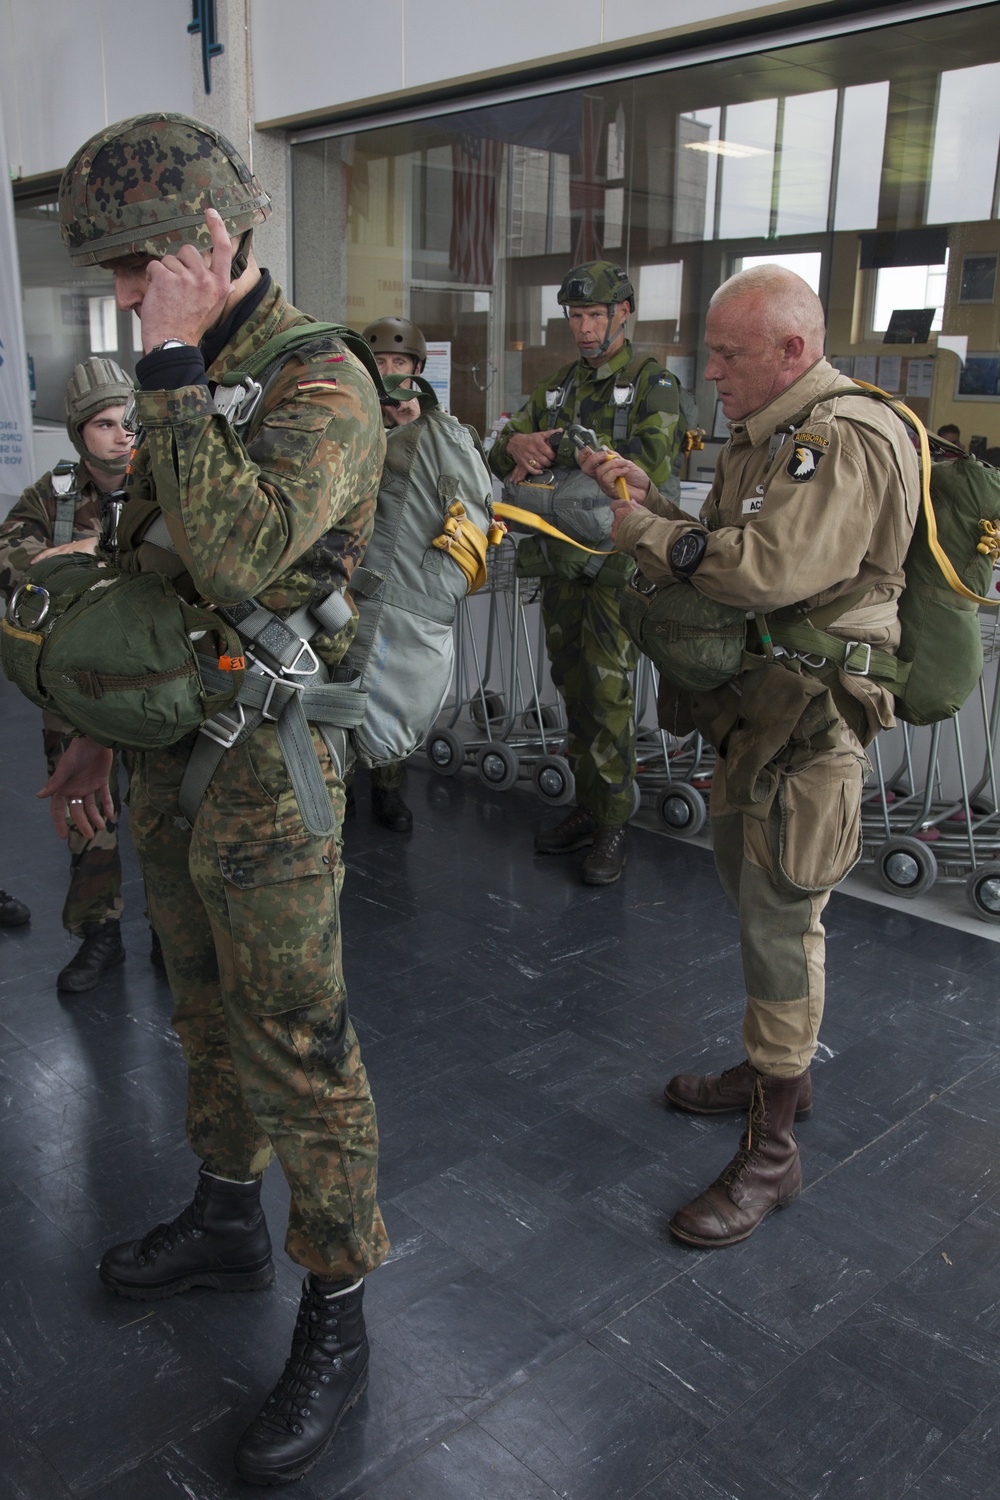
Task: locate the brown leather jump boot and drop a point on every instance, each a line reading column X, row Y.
column 727, row 1093
column 764, row 1174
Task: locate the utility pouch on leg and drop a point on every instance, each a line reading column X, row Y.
column 785, row 715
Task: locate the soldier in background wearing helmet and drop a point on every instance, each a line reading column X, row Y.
column 245, row 900
column 63, row 513
column 591, row 657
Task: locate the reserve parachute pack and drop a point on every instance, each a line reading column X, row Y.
column 698, row 645
column 123, row 659
column 114, row 654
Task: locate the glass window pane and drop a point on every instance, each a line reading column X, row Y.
column 747, row 169
column 697, row 171
column 806, row 162
column 966, row 137
column 862, row 141
column 907, row 287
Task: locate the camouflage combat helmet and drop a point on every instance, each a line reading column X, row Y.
column 93, row 387
column 141, row 187
column 596, row 281
column 397, row 336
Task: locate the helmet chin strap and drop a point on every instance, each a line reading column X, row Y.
column 242, row 255
column 603, row 347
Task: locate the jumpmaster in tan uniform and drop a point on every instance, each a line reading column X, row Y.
column 802, row 512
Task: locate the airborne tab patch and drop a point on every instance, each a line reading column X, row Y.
column 804, row 460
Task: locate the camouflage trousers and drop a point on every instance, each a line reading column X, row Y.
column 779, row 874
column 247, row 909
column 389, row 778
column 591, row 659
column 95, row 868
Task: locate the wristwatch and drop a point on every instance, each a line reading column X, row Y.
column 687, row 552
column 171, row 344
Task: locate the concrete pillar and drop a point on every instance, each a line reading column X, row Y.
column 229, row 108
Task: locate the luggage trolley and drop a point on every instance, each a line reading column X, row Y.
column 928, row 836
column 501, row 722
column 674, row 775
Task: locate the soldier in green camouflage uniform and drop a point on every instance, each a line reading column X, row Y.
column 246, row 901
column 63, row 510
column 590, row 655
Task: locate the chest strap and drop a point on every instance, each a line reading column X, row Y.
column 66, row 498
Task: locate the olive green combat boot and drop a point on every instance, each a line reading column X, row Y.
column 324, row 1376
column 220, row 1241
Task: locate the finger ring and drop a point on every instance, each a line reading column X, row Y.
column 76, row 801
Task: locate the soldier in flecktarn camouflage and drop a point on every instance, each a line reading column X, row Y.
column 62, row 512
column 633, row 405
column 245, row 900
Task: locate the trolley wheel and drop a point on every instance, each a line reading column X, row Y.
column 906, row 867
column 682, row 810
column 497, row 766
column 983, row 891
column 495, row 709
column 547, row 718
column 445, row 751
column 553, row 780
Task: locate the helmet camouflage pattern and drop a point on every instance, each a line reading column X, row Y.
column 396, row 336
column 141, row 187
column 95, row 385
column 596, row 281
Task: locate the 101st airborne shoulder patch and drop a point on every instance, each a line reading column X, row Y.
column 808, row 450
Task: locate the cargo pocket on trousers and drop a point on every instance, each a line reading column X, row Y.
column 819, row 822
column 284, row 923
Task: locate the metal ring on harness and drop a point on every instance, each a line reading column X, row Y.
column 15, row 599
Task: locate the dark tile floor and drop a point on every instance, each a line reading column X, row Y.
column 535, row 1333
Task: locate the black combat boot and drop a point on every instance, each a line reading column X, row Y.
column 325, row 1374
column 389, row 809
column 220, row 1241
column 101, row 951
column 727, row 1093
column 574, row 832
column 605, row 862
column 13, row 913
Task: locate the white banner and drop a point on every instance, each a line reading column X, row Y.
column 16, row 458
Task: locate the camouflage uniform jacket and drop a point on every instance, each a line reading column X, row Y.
column 29, row 528
column 654, row 424
column 284, row 515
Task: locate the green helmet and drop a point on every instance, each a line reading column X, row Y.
column 141, row 187
column 92, row 388
column 396, row 336
column 596, row 281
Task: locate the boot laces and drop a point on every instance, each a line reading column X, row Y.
column 750, row 1139
column 311, row 1364
column 162, row 1237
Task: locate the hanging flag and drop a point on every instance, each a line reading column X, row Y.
column 16, row 458
column 475, row 163
column 586, row 189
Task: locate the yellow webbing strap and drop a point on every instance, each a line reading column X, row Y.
column 937, row 551
column 528, row 518
column 466, row 544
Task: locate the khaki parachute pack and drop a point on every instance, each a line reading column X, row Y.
column 698, row 645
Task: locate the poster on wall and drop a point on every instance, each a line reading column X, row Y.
column 438, row 371
column 16, row 458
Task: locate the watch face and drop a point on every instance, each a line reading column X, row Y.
column 686, row 551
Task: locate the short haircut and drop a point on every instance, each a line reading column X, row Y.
column 788, row 305
column 949, row 427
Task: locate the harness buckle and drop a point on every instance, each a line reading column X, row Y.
column 226, row 726
column 237, row 403
column 851, row 647
column 623, row 395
